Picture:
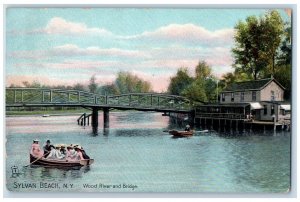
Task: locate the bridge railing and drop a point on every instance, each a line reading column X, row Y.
column 59, row 96
column 51, row 96
column 150, row 100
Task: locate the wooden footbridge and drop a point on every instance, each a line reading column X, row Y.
column 37, row 97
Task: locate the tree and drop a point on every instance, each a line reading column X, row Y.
column 34, row 84
column 273, row 29
column 129, row 83
column 256, row 43
column 208, row 82
column 180, row 82
column 284, row 62
column 285, row 55
column 109, row 89
column 195, row 91
column 201, row 88
column 92, row 85
column 232, row 77
column 203, row 70
column 79, row 86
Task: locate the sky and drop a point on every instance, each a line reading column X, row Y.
column 66, row 46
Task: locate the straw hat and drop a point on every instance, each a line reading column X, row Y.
column 36, row 140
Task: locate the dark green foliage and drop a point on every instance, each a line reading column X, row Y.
column 180, row 82
column 109, row 89
column 256, row 44
column 201, row 88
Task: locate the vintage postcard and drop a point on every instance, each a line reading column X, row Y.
column 163, row 100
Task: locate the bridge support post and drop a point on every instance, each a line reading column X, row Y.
column 106, row 117
column 84, row 119
column 95, row 117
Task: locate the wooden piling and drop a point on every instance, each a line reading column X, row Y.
column 84, row 119
column 95, row 117
column 106, row 117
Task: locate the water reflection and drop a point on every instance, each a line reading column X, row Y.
column 51, row 173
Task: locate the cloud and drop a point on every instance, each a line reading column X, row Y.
column 187, row 33
column 60, row 26
column 71, row 50
column 173, row 33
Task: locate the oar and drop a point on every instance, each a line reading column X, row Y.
column 37, row 159
column 202, row 131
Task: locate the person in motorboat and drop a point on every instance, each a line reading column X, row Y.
column 36, row 151
column 187, row 128
column 47, row 148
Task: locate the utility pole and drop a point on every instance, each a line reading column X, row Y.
column 217, row 91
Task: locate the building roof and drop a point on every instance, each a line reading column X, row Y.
column 251, row 85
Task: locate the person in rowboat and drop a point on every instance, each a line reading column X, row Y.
column 47, row 148
column 81, row 155
column 58, row 154
column 36, row 151
column 71, row 153
column 85, row 156
column 63, row 150
column 187, row 128
column 52, row 154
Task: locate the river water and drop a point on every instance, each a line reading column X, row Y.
column 135, row 155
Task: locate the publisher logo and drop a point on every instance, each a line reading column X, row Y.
column 15, row 171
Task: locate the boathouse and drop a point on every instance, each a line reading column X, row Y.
column 260, row 101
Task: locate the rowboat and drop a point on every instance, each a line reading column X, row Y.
column 59, row 163
column 177, row 133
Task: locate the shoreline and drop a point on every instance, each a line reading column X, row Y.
column 39, row 114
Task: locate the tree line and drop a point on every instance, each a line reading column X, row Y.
column 125, row 82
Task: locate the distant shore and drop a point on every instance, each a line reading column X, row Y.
column 51, row 112
column 46, row 112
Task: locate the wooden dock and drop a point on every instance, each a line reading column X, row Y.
column 236, row 121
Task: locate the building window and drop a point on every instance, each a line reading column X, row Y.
column 272, row 95
column 232, row 97
column 272, row 109
column 265, row 110
column 223, row 97
column 242, row 96
column 253, row 95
